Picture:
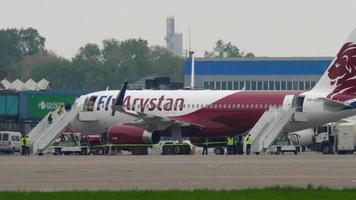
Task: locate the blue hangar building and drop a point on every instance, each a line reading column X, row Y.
column 292, row 73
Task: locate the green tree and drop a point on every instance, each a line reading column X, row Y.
column 58, row 71
column 90, row 52
column 30, row 41
column 15, row 44
column 166, row 64
column 224, row 50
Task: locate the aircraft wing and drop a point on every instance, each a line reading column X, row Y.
column 152, row 122
column 336, row 104
column 145, row 120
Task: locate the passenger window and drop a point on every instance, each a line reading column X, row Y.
column 5, row 137
column 247, row 106
column 193, row 105
column 238, row 105
column 0, row 137
column 243, row 106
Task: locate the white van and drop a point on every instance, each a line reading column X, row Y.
column 10, row 141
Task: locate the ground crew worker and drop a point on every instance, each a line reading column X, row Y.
column 205, row 147
column 23, row 145
column 249, row 142
column 28, row 144
column 230, row 145
column 239, row 146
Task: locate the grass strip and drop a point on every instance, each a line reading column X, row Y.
column 275, row 193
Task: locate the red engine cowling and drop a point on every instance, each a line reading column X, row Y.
column 124, row 134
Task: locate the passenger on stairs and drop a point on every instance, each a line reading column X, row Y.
column 61, row 110
column 50, row 119
column 249, row 142
column 68, row 107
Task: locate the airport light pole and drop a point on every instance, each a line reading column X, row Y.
column 191, row 54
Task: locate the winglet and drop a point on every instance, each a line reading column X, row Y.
column 118, row 105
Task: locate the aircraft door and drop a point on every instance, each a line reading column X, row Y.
column 292, row 101
column 298, row 103
column 89, row 103
column 288, row 101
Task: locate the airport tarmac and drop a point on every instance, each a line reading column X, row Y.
column 48, row 173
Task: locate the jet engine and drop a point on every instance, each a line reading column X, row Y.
column 125, row 134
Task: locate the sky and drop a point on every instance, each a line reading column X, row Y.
column 274, row 28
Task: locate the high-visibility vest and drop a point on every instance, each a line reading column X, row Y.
column 230, row 141
column 206, row 142
column 28, row 142
column 23, row 141
column 249, row 140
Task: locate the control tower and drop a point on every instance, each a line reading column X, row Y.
column 174, row 41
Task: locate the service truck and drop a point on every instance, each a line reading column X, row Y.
column 337, row 138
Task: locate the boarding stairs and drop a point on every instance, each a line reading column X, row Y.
column 44, row 133
column 269, row 126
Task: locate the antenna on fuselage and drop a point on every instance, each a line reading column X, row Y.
column 118, row 105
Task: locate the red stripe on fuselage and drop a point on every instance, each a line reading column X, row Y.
column 233, row 114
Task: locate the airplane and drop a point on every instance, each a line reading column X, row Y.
column 143, row 116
